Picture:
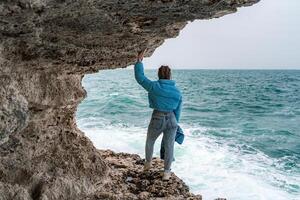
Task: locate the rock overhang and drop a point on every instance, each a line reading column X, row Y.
column 97, row 34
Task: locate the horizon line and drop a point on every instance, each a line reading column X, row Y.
column 266, row 69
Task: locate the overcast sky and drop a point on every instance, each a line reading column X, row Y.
column 264, row 36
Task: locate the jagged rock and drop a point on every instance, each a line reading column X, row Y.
column 46, row 47
column 130, row 179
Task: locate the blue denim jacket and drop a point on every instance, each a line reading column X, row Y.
column 163, row 95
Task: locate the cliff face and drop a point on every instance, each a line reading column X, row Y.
column 46, row 47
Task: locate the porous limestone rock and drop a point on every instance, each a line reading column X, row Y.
column 46, row 47
column 129, row 181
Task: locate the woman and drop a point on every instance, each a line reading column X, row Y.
column 165, row 99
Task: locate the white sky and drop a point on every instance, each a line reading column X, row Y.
column 264, row 36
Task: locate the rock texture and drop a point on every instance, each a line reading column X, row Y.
column 127, row 180
column 46, row 47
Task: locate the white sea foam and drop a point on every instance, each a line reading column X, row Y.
column 210, row 167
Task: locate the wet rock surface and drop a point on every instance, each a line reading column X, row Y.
column 46, row 47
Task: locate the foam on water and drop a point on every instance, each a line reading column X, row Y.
column 210, row 167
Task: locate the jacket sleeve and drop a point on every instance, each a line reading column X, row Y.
column 140, row 76
column 177, row 111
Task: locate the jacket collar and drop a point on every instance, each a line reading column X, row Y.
column 166, row 81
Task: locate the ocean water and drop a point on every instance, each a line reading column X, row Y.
column 242, row 128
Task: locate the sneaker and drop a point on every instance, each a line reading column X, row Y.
column 147, row 166
column 166, row 176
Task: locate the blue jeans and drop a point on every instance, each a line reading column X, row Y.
column 162, row 122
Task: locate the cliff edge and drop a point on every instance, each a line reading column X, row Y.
column 127, row 180
column 46, row 47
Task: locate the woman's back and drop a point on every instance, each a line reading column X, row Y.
column 163, row 95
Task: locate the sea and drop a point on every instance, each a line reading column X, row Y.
column 242, row 128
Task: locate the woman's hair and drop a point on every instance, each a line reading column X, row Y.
column 164, row 72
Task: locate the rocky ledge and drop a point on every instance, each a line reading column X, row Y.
column 129, row 181
column 46, row 47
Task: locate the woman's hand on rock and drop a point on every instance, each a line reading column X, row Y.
column 140, row 55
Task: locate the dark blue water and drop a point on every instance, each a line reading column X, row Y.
column 243, row 128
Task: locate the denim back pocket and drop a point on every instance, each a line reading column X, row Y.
column 156, row 122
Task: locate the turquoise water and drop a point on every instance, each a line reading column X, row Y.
column 242, row 128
